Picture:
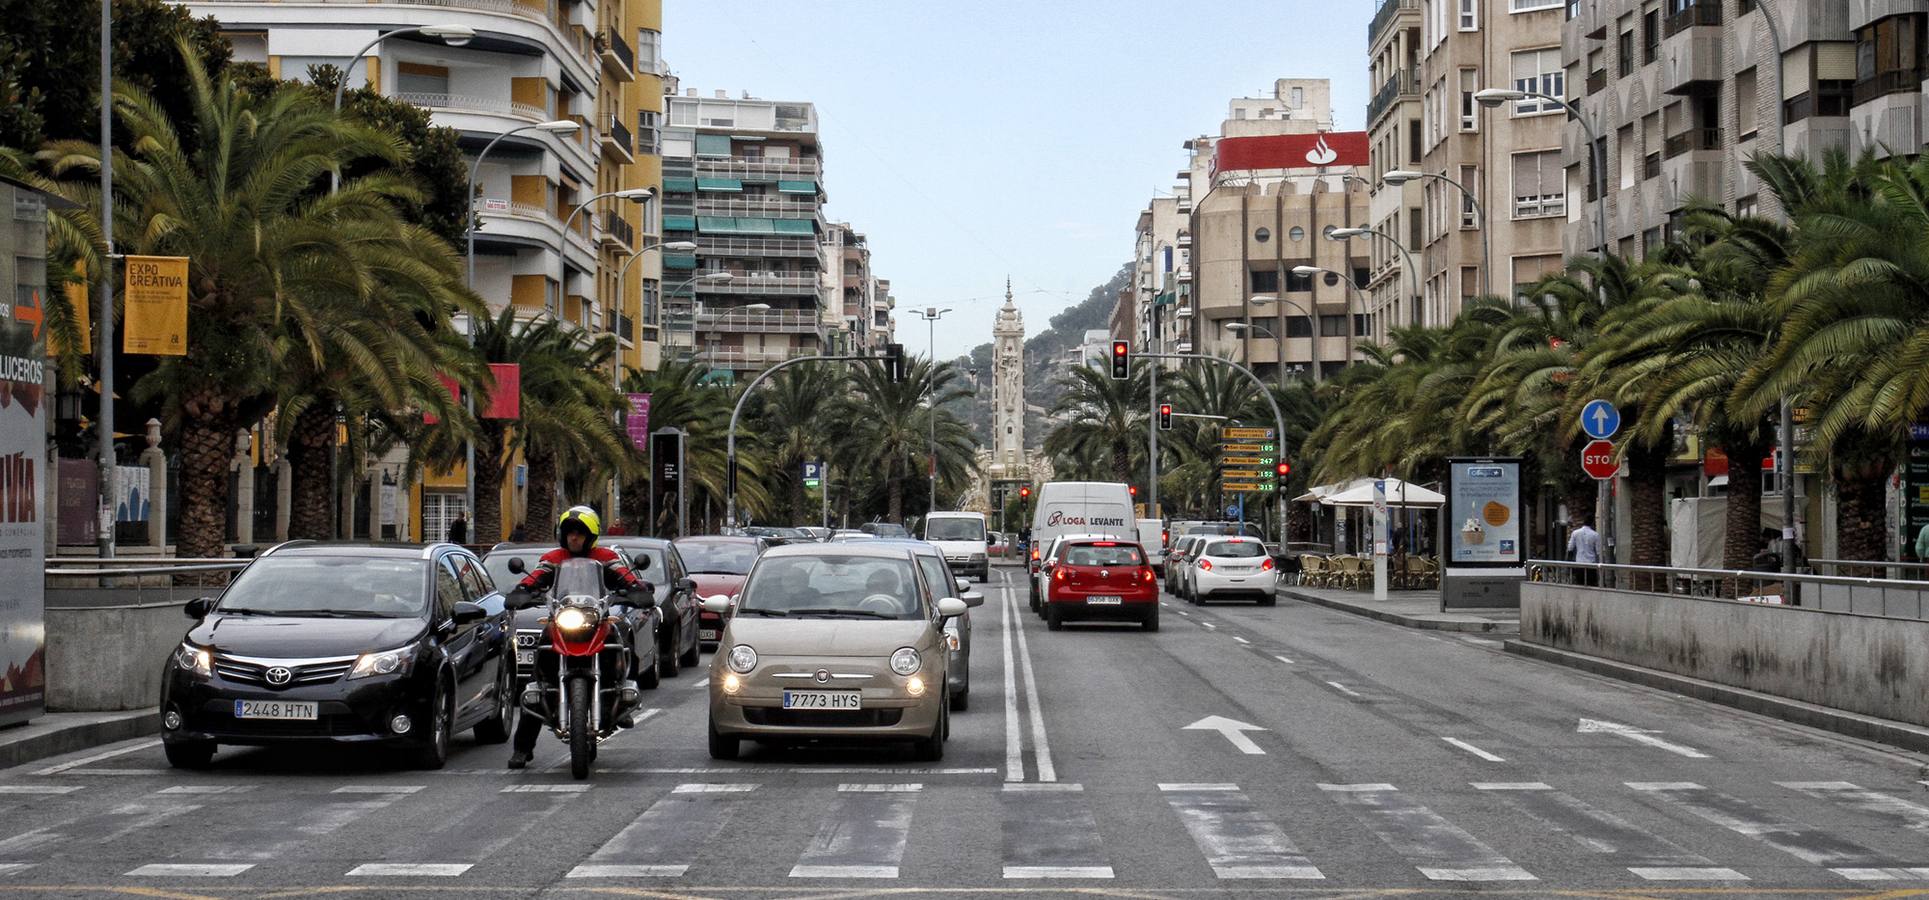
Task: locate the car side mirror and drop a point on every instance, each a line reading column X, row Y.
column 516, row 565
column 717, row 603
column 687, row 584
column 972, row 599
column 467, row 612
column 199, row 607
column 951, row 608
column 990, row 540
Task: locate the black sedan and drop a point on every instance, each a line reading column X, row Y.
column 347, row 643
column 677, row 604
column 501, row 565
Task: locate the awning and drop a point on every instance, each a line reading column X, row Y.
column 731, row 185
column 679, row 261
column 713, row 145
column 716, row 225
column 795, row 226
column 797, row 187
column 679, row 223
column 679, row 183
column 755, row 226
column 1398, row 493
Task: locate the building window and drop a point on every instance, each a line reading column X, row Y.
column 1650, row 35
column 1745, row 112
column 1521, row 6
column 1299, row 327
column 1888, row 57
column 1469, row 210
column 1747, row 207
column 1362, row 325
column 1262, row 235
column 1539, row 185
column 648, row 51
column 1469, row 15
column 1265, row 281
column 1539, row 71
column 1469, row 110
column 415, row 78
column 1819, row 80
column 652, row 301
column 1332, row 326
column 1626, row 46
column 649, row 132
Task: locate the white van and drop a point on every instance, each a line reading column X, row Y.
column 1152, row 538
column 1080, row 507
column 962, row 538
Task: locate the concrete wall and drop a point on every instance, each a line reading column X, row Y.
column 1860, row 663
column 106, row 647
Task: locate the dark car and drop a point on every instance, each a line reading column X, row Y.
column 718, row 564
column 957, row 632
column 528, row 622
column 885, row 530
column 677, row 606
column 352, row 643
column 778, row 536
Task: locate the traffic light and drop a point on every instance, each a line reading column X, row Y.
column 1280, row 472
column 1165, row 417
column 1121, row 360
column 1024, row 493
column 894, row 362
column 1133, row 490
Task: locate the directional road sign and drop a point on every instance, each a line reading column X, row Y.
column 1600, row 420
column 1260, row 461
column 1248, row 448
column 1236, row 487
column 1246, row 434
column 1597, row 460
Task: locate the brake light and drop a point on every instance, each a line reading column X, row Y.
column 1105, row 543
column 1266, row 565
column 1205, row 564
column 1145, row 575
column 1058, row 574
column 1034, row 554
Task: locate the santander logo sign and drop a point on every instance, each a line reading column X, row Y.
column 1322, row 154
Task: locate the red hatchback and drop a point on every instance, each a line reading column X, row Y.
column 1101, row 579
column 718, row 564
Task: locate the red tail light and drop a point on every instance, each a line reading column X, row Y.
column 1034, row 554
column 1205, row 564
column 1267, row 565
column 1145, row 575
column 1058, row 574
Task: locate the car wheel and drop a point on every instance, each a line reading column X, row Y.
column 434, row 751
column 189, row 754
column 669, row 662
column 961, row 700
column 725, row 748
column 689, row 659
column 1268, row 600
column 648, row 678
column 931, row 749
column 1151, row 622
column 1054, row 618
column 496, row 728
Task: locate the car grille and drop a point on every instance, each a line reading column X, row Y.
column 302, row 672
column 823, row 718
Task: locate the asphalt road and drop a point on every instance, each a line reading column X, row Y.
column 1333, row 756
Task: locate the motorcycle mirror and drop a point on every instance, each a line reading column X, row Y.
column 516, row 565
column 199, row 607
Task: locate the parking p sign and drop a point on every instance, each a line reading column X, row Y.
column 813, row 474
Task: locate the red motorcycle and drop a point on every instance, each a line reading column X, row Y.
column 581, row 686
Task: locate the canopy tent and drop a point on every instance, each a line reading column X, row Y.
column 1319, row 492
column 1398, row 493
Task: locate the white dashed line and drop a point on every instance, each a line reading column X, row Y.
column 1285, row 660
column 86, row 760
column 430, row 870
column 1473, row 749
column 1240, row 639
column 1346, row 690
column 190, row 870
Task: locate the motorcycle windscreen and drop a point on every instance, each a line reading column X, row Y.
column 579, row 578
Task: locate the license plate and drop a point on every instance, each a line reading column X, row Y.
column 706, row 634
column 1104, row 601
column 274, row 709
column 823, row 700
column 525, row 657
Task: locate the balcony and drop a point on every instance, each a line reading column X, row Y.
column 1705, row 12
column 1384, row 15
column 1405, row 84
column 1597, row 81
column 1693, row 139
column 750, row 357
column 752, row 166
column 1897, row 81
column 618, row 231
column 617, row 58
column 765, row 283
column 768, row 321
column 1183, row 276
column 462, row 103
column 755, row 207
column 750, row 247
column 616, row 140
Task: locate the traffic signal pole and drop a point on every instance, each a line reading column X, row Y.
column 730, row 440
column 1279, row 420
column 1152, row 426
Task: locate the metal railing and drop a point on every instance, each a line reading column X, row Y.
column 802, row 247
column 1706, row 12
column 1387, row 11
column 1692, row 140
column 1882, row 84
column 465, row 103
column 762, row 283
column 738, row 206
column 1863, row 568
column 791, row 321
column 618, row 133
column 751, row 356
column 618, row 229
column 1405, row 82
column 1894, row 598
column 738, row 166
column 612, row 43
column 1597, row 81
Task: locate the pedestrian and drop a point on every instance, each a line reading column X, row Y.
column 1922, row 543
column 459, row 529
column 1584, row 547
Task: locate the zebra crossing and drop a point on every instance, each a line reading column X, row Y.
column 666, row 830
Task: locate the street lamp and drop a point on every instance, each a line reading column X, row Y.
column 453, row 35
column 1399, row 177
column 1310, row 271
column 1493, row 97
column 558, row 127
column 931, row 315
column 1236, row 327
column 718, row 277
column 1413, row 271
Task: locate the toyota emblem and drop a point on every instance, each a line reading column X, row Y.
column 1103, row 573
column 822, row 676
column 279, row 675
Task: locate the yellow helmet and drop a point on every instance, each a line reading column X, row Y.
column 581, row 517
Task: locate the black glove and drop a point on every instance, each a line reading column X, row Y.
column 519, row 598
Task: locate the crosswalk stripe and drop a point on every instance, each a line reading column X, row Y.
column 1058, row 872
column 10, row 868
column 803, row 871
column 1798, row 839
column 879, row 788
column 713, row 788
column 1646, row 854
column 1439, row 849
column 431, row 870
column 622, row 871
column 1043, row 787
column 38, row 788
column 1894, row 809
column 1051, row 834
column 545, row 789
column 190, row 870
column 863, row 833
column 666, row 839
column 378, row 789
column 207, row 789
column 1687, row 873
column 1239, row 842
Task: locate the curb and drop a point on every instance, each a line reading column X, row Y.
column 1401, row 619
column 1855, row 725
column 78, row 736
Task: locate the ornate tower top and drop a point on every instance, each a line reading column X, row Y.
column 1010, row 319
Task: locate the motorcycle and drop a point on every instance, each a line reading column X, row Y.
column 581, row 685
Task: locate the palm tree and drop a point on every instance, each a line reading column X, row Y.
column 266, row 251
column 567, row 429
column 888, row 424
column 681, row 396
column 1104, row 418
column 794, row 417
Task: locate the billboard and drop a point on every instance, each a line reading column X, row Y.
column 1290, row 151
column 1483, row 513
column 23, row 465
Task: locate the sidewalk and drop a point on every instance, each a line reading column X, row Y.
column 55, row 733
column 1413, row 609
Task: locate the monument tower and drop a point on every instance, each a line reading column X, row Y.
column 1008, row 385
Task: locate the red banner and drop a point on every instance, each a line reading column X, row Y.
column 505, row 399
column 455, row 393
column 1291, row 151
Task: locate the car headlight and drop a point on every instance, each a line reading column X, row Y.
column 388, row 662
column 572, row 618
column 194, row 659
column 742, row 659
column 905, row 661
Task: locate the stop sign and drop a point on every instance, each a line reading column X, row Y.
column 1597, row 460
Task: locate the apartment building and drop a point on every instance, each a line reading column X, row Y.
column 1161, row 274
column 1395, row 139
column 743, row 181
column 543, row 245
column 1679, row 97
column 858, row 318
column 884, row 320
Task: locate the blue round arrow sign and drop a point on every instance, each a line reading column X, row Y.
column 1600, row 420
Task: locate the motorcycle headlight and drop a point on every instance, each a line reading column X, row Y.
column 388, row 662
column 572, row 618
column 905, row 661
column 742, row 659
column 194, row 659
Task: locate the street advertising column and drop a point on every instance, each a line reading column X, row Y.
column 1481, row 532
column 1915, row 490
column 23, row 463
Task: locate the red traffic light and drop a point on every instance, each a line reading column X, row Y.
column 1024, row 493
column 1133, row 490
column 1283, row 469
column 1120, row 348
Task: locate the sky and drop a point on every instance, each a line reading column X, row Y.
column 974, row 140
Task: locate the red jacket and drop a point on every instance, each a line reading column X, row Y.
column 615, row 573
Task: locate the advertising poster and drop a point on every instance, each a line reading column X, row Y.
column 23, row 455
column 154, row 303
column 1915, row 487
column 1483, row 513
column 638, row 421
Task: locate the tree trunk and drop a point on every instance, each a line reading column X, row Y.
column 485, row 521
column 1744, row 522
column 1647, row 487
column 895, row 492
column 541, row 491
column 207, row 445
column 1861, row 532
column 311, row 514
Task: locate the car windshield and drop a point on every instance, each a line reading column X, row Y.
column 1103, row 555
column 1235, row 549
column 954, row 530
column 331, row 587
column 578, row 577
column 887, row 529
column 656, row 572
column 497, row 565
column 856, row 586
column 718, row 557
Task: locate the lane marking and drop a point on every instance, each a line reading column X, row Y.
column 88, row 760
column 1035, row 787
column 207, row 789
column 713, row 788
column 1510, row 786
column 190, row 870
column 1199, row 787
column 1478, row 873
column 427, row 870
column 545, row 789
column 862, row 833
column 1687, row 873
column 377, row 789
column 843, row 871
column 1285, row 660
column 1357, row 788
column 1812, row 845
column 1473, row 750
column 701, row 682
column 1240, row 639
column 759, row 770
column 1882, row 874
column 38, row 788
column 879, row 788
column 1238, row 841
column 1232, row 730
column 1209, row 625
column 1014, row 739
column 1041, row 748
column 1346, row 690
column 1615, row 840
column 1638, row 735
column 111, row 772
column 611, row 871
column 1309, row 873
column 1058, row 871
column 10, row 868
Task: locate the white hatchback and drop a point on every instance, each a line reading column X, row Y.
column 1223, row 567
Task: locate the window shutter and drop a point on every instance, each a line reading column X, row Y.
column 1795, row 73
column 1835, row 61
column 1527, row 175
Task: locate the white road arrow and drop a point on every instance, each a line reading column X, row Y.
column 1638, row 735
column 1232, row 730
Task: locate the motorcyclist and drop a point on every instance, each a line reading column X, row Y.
column 576, row 534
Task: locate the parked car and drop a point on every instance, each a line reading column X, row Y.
column 718, row 564
column 957, row 632
column 837, row 643
column 1232, row 567
column 507, row 563
column 1176, row 561
column 1101, row 578
column 885, row 530
column 346, row 643
column 677, row 605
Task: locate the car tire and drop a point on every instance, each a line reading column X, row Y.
column 669, row 663
column 496, row 728
column 1268, row 600
column 433, row 753
column 931, row 749
column 189, row 754
column 1151, row 622
column 1054, row 618
column 723, row 748
column 689, row 659
column 961, row 700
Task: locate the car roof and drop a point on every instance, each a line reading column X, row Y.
column 628, row 541
column 875, row 549
column 371, row 549
column 507, row 547
column 913, row 543
column 718, row 539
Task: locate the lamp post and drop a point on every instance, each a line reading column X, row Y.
column 1262, row 300
column 616, row 367
column 1493, row 97
column 1310, row 271
column 556, row 127
column 453, row 35
column 104, row 422
column 1785, row 427
column 1413, row 270
column 931, row 315
column 1399, row 177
